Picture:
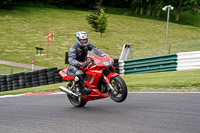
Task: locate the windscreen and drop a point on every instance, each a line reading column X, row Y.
column 97, row 52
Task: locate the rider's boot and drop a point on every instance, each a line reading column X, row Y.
column 77, row 86
column 80, row 89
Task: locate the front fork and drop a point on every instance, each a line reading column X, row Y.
column 107, row 79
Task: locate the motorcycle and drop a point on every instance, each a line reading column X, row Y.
column 99, row 82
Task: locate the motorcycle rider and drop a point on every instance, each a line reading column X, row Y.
column 77, row 54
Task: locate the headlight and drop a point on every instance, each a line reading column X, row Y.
column 107, row 63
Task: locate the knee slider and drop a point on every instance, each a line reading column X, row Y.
column 76, row 78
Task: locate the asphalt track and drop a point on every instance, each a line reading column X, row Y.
column 140, row 113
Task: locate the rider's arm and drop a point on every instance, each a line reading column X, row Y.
column 72, row 57
column 90, row 46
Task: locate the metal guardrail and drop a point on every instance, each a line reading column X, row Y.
column 171, row 62
column 188, row 60
column 151, row 64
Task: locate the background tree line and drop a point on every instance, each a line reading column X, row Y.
column 154, row 7
column 140, row 7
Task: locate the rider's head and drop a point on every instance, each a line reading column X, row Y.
column 82, row 38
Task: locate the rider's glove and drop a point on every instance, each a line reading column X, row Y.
column 82, row 64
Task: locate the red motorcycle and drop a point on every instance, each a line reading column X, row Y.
column 100, row 81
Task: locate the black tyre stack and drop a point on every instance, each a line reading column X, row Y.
column 4, row 83
column 58, row 78
column 28, row 79
column 10, row 82
column 22, row 83
column 15, row 81
column 43, row 77
column 116, row 65
column 50, row 75
column 35, row 79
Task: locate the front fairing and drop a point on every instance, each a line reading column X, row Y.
column 100, row 57
column 98, row 60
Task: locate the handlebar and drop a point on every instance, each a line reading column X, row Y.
column 90, row 61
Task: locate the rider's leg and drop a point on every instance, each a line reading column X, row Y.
column 78, row 78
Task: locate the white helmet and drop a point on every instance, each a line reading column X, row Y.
column 82, row 38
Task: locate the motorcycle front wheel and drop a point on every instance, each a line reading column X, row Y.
column 119, row 93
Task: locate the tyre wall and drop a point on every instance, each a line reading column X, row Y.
column 30, row 79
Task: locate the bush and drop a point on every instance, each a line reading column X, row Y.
column 98, row 20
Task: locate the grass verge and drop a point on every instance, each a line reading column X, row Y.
column 39, row 89
column 7, row 70
column 176, row 81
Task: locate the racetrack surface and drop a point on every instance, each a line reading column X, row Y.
column 140, row 113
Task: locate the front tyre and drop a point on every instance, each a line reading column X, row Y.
column 120, row 90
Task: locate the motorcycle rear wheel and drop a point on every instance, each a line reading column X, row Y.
column 120, row 89
column 76, row 101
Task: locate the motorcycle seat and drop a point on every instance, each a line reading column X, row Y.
column 71, row 74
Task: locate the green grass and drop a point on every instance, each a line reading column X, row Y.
column 164, row 81
column 177, row 81
column 7, row 70
column 39, row 89
column 22, row 30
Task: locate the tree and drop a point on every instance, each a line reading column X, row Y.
column 141, row 8
column 102, row 22
column 192, row 5
column 5, row 4
column 179, row 10
column 159, row 4
column 135, row 4
column 149, row 7
column 98, row 21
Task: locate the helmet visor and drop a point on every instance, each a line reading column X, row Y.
column 83, row 41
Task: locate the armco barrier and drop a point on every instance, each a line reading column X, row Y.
column 148, row 65
column 116, row 65
column 171, row 62
column 188, row 60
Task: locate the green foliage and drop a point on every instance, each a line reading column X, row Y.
column 102, row 22
column 98, row 21
column 150, row 8
column 92, row 19
column 5, row 3
column 153, row 7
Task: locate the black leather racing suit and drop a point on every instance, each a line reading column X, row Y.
column 78, row 54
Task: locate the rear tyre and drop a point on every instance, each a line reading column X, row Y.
column 120, row 90
column 76, row 101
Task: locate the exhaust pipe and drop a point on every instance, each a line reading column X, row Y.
column 66, row 90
